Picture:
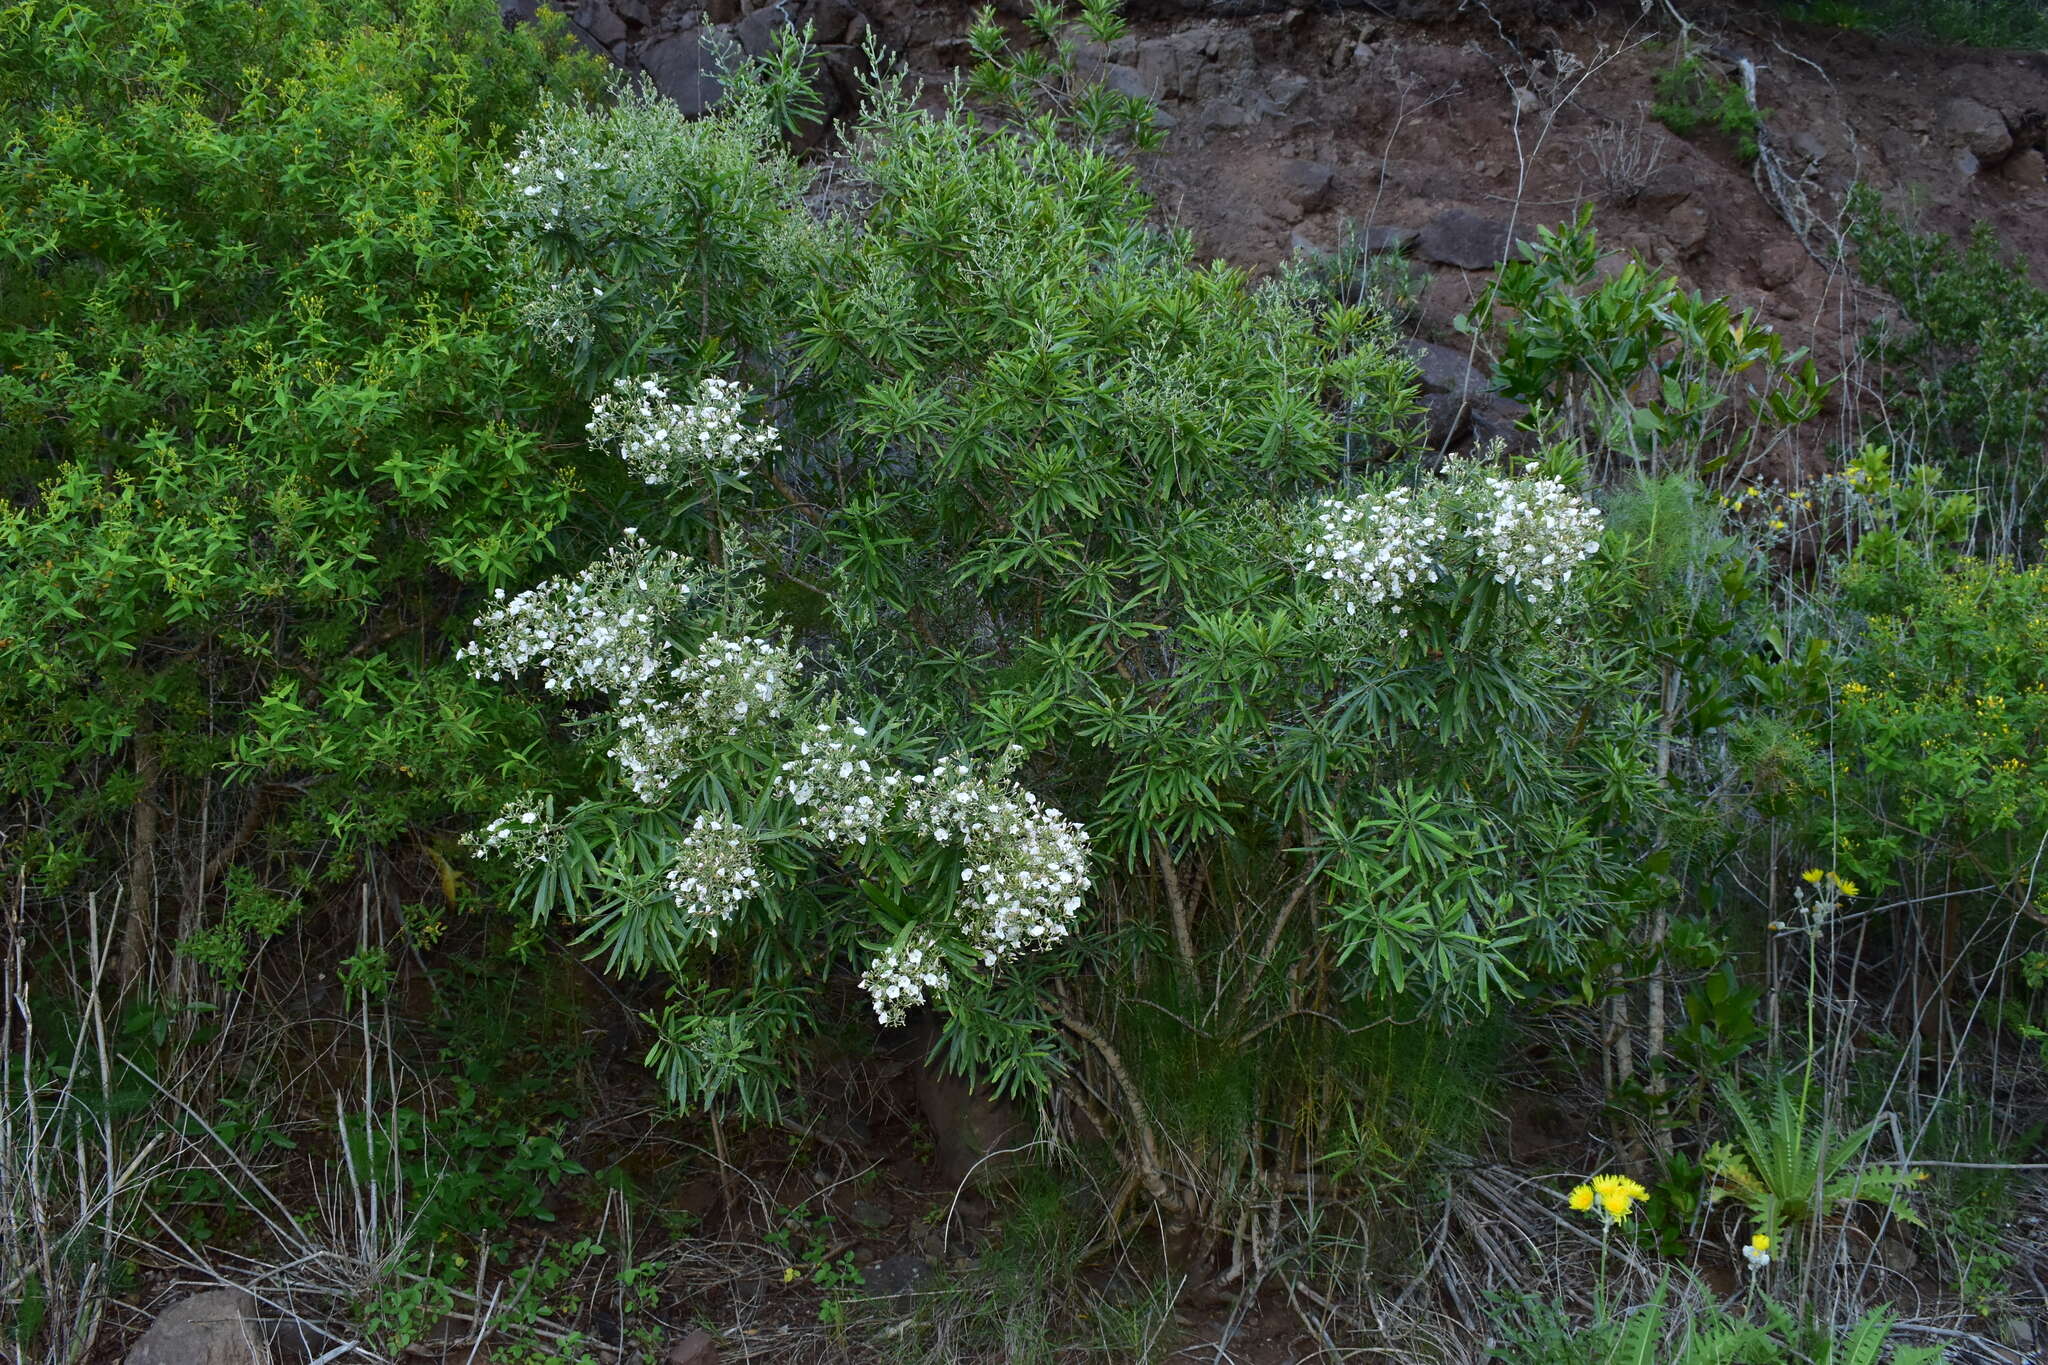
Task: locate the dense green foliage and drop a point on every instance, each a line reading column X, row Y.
column 1966, row 23
column 1966, row 369
column 940, row 598
column 263, row 421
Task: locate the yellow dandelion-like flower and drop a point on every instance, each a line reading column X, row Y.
column 1812, row 876
column 1760, row 1242
column 1582, row 1198
column 1618, row 1195
column 1845, row 886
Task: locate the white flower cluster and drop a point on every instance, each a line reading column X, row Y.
column 1027, row 864
column 558, row 183
column 725, row 686
column 665, row 442
column 904, row 976
column 1371, row 550
column 521, row 832
column 1534, row 532
column 598, row 631
column 713, row 872
column 841, row 796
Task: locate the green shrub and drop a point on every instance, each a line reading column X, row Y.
column 1691, row 98
column 984, row 499
column 1642, row 368
column 265, row 423
column 1965, row 374
column 1967, row 23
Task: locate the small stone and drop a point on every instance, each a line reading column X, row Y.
column 217, row 1327
column 901, row 1274
column 1305, row 186
column 1978, row 129
column 869, row 1214
column 1668, row 186
column 1781, row 264
column 1686, row 227
column 698, row 1348
column 1527, row 102
column 2029, row 169
column 1455, row 237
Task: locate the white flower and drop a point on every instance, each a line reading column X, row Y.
column 663, row 442
column 1371, row 550
column 843, row 792
column 601, row 631
column 668, row 724
column 1530, row 532
column 519, row 832
column 1023, row 888
column 905, row 976
column 713, row 872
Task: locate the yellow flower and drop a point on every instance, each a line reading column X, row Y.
column 1760, row 1242
column 1845, row 886
column 1812, row 876
column 1618, row 1195
column 1582, row 1198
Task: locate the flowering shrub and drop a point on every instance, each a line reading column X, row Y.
column 1126, row 665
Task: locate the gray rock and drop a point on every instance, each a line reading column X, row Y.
column 1125, row 80
column 1374, row 240
column 1448, row 418
column 903, row 1274
column 1498, row 418
column 1286, row 90
column 869, row 1214
column 601, row 23
column 1305, row 186
column 1223, row 114
column 757, row 31
column 682, row 70
column 1668, row 186
column 831, row 18
column 1455, row 237
column 1444, row 370
column 1977, row 129
column 218, row 1327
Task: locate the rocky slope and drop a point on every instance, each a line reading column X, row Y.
column 1451, row 124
